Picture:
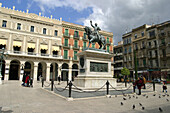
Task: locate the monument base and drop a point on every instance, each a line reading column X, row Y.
column 89, row 82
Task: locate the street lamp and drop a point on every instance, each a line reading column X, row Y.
column 2, row 57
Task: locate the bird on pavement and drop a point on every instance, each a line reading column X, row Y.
column 167, row 100
column 121, row 103
column 124, row 98
column 133, row 106
column 129, row 97
column 140, row 104
column 136, row 97
column 143, row 108
column 167, row 95
column 160, row 109
column 154, row 94
column 146, row 96
column 159, row 96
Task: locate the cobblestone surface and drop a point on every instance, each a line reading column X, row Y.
column 17, row 99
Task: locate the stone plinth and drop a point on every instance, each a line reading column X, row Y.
column 94, row 69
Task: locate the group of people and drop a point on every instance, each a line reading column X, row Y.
column 27, row 81
column 141, row 83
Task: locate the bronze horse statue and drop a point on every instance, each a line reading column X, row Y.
column 92, row 38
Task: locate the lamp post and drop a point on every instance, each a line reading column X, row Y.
column 2, row 57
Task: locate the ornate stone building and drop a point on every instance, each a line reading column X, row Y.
column 41, row 46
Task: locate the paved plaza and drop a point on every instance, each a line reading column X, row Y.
column 17, row 99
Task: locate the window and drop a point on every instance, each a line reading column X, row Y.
column 84, row 35
column 135, row 36
column 129, row 49
column 84, row 44
column 152, row 34
column 43, row 52
column 144, row 62
column 4, row 23
column 163, row 41
column 75, row 56
column 66, row 32
column 156, row 53
column 155, row 43
column 19, row 26
column 150, row 53
column 107, row 39
column 107, row 48
column 17, row 49
column 164, row 52
column 55, row 53
column 32, row 28
column 66, row 42
column 65, row 54
column 75, row 43
column 151, row 63
column 76, row 34
column 129, row 40
column 31, row 51
column 142, row 34
column 149, row 44
column 136, row 46
column 93, row 45
column 44, row 30
column 55, row 33
column 125, row 50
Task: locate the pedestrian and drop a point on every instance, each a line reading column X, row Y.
column 31, row 82
column 144, row 82
column 139, row 84
column 23, row 79
column 164, row 87
column 27, row 81
column 59, row 79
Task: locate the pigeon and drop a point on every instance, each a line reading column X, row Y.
column 124, row 98
column 115, row 95
column 154, row 94
column 160, row 109
column 163, row 95
column 133, row 106
column 167, row 100
column 129, row 97
column 146, row 96
column 140, row 104
column 136, row 97
column 143, row 108
column 121, row 103
column 167, row 95
column 133, row 96
column 159, row 96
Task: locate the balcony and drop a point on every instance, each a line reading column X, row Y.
column 31, row 53
column 17, row 52
column 76, row 47
column 44, row 54
column 76, row 36
column 162, row 34
column 118, row 68
column 66, row 46
column 118, row 61
column 66, row 57
column 75, row 59
column 67, row 35
column 54, row 55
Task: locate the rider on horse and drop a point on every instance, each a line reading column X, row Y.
column 96, row 30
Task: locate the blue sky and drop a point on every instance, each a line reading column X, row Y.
column 117, row 16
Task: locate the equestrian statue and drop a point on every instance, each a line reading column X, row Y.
column 94, row 36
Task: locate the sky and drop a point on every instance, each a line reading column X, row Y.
column 116, row 16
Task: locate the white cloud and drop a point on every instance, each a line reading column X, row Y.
column 116, row 16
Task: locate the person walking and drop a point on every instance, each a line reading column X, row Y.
column 139, row 84
column 59, row 79
column 164, row 87
column 27, row 81
column 23, row 79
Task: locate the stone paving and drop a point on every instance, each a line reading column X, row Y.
column 17, row 99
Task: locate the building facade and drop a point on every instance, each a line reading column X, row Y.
column 118, row 59
column 41, row 46
column 150, row 45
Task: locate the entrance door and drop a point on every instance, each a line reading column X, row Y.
column 64, row 75
column 14, row 71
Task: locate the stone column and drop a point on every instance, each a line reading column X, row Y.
column 7, row 65
column 9, row 43
column 48, row 72
column 21, row 74
column 49, row 48
column 70, row 71
column 59, row 69
column 37, row 46
column 35, row 71
column 54, row 70
column 24, row 45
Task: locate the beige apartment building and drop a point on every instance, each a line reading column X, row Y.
column 151, row 46
column 38, row 45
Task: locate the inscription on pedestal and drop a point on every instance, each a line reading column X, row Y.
column 98, row 67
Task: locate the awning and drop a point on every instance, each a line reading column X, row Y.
column 2, row 42
column 17, row 43
column 31, row 45
column 43, row 47
column 56, row 48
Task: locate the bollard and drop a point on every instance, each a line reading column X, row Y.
column 70, row 86
column 107, row 86
column 125, row 83
column 134, row 87
column 52, row 83
column 153, row 85
column 42, row 82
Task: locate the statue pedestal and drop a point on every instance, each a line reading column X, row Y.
column 94, row 69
